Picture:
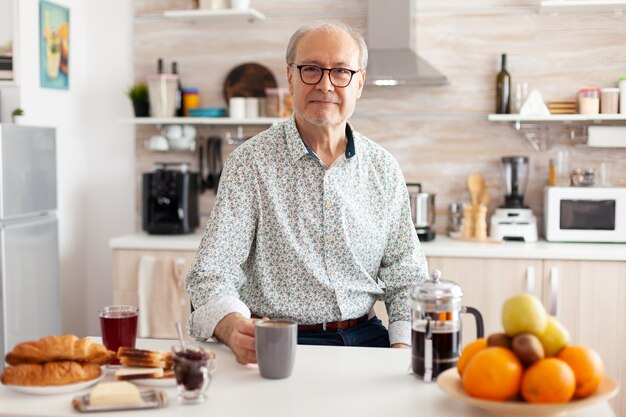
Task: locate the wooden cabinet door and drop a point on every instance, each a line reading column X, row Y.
column 589, row 299
column 486, row 284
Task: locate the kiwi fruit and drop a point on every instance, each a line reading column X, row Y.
column 528, row 348
column 499, row 339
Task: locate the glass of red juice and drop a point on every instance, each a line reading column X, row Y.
column 119, row 327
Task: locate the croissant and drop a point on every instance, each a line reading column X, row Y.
column 51, row 373
column 60, row 348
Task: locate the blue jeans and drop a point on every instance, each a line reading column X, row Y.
column 372, row 333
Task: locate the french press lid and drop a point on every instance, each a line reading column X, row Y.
column 436, row 294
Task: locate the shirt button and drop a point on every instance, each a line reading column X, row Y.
column 329, row 205
column 330, row 238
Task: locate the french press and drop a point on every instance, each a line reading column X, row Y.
column 436, row 326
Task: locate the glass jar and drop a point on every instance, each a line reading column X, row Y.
column 191, row 99
column 609, row 98
column 589, row 101
column 279, row 102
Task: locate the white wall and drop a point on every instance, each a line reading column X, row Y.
column 95, row 152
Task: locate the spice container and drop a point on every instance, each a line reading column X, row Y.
column 589, row 101
column 455, row 218
column 609, row 98
column 191, row 99
column 279, row 102
column 622, row 95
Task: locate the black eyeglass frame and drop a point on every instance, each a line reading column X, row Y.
column 352, row 72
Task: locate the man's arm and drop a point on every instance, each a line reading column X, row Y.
column 217, row 273
column 402, row 266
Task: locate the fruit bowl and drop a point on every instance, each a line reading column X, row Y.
column 450, row 383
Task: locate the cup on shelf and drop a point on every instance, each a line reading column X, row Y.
column 118, row 324
column 240, row 4
column 237, row 107
column 252, row 107
column 162, row 94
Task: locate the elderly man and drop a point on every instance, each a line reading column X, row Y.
column 312, row 219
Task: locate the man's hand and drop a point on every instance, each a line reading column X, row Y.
column 238, row 333
column 400, row 346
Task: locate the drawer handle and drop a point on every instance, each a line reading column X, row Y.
column 554, row 290
column 530, row 280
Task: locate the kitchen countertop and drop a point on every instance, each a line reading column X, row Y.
column 442, row 246
column 339, row 381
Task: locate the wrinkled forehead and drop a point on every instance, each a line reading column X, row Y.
column 328, row 48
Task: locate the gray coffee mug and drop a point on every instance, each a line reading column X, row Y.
column 275, row 343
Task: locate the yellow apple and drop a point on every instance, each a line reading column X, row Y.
column 554, row 338
column 523, row 314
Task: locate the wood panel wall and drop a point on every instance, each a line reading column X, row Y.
column 438, row 134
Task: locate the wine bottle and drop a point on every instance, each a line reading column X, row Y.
column 180, row 111
column 503, row 89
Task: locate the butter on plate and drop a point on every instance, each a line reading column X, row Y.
column 113, row 393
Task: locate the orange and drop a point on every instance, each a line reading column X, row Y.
column 494, row 373
column 548, row 380
column 587, row 366
column 468, row 353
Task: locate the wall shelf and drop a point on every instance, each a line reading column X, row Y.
column 213, row 121
column 196, row 15
column 538, row 130
column 572, row 6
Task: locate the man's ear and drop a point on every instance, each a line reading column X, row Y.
column 361, row 84
column 289, row 79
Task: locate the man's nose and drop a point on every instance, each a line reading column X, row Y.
column 324, row 84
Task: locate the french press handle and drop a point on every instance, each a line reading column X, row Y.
column 480, row 327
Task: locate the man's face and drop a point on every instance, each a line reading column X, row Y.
column 323, row 104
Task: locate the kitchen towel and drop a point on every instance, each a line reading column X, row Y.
column 144, row 293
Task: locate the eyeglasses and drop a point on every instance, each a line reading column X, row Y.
column 312, row 74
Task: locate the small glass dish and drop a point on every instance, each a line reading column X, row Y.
column 193, row 366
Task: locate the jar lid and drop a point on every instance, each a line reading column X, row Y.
column 589, row 90
column 190, row 89
column 610, row 89
column 436, row 290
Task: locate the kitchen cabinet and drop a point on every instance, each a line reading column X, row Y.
column 588, row 298
column 168, row 265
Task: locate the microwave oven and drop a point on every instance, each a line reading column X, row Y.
column 585, row 214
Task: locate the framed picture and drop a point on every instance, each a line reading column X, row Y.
column 54, row 45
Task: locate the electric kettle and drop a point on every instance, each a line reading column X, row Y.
column 436, row 326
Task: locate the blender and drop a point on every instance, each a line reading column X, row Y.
column 513, row 220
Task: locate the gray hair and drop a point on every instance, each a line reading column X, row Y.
column 326, row 26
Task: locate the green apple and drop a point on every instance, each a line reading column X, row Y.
column 523, row 314
column 554, row 338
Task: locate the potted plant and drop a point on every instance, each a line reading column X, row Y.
column 17, row 115
column 138, row 94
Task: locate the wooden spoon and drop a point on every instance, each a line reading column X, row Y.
column 475, row 183
column 485, row 197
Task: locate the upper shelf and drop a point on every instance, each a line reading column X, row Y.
column 598, row 118
column 570, row 6
column 216, row 121
column 249, row 15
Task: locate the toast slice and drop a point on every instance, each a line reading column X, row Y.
column 127, row 373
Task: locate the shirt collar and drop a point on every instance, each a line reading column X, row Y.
column 297, row 148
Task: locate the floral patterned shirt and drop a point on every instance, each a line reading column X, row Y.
column 292, row 238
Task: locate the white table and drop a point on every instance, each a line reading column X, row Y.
column 331, row 381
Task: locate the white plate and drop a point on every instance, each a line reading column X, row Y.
column 450, row 383
column 55, row 389
column 155, row 382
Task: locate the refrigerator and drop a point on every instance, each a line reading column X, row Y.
column 30, row 299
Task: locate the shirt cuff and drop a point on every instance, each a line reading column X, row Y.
column 203, row 320
column 400, row 332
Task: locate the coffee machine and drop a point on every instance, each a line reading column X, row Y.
column 170, row 199
column 513, row 220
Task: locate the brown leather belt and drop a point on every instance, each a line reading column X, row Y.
column 331, row 326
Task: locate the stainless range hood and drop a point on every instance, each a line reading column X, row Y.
column 392, row 60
